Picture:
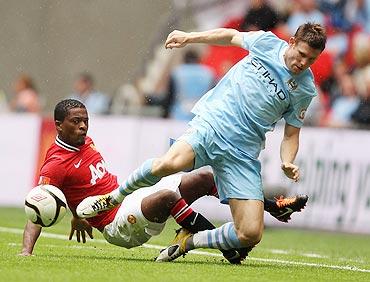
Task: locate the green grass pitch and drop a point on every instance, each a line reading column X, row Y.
column 283, row 255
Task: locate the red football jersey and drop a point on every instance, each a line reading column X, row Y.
column 79, row 172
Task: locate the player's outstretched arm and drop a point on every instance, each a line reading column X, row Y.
column 219, row 36
column 30, row 235
column 288, row 151
column 81, row 227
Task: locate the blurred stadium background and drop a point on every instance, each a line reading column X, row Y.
column 119, row 44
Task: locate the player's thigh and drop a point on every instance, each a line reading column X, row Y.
column 248, row 218
column 181, row 154
column 179, row 157
column 200, row 136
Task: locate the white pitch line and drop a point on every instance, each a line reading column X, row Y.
column 312, row 255
column 339, row 267
column 203, row 253
column 277, row 251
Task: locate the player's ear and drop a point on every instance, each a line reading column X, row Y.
column 292, row 41
column 58, row 125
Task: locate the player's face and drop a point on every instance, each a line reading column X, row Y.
column 74, row 128
column 300, row 56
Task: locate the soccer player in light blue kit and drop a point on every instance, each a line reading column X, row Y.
column 228, row 132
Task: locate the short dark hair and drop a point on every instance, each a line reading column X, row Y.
column 313, row 34
column 61, row 109
column 191, row 57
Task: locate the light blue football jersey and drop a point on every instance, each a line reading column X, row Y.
column 256, row 93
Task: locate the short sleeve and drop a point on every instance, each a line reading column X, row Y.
column 52, row 173
column 249, row 38
column 295, row 115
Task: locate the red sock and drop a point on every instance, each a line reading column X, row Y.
column 181, row 210
column 189, row 219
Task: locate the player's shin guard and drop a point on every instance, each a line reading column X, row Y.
column 141, row 177
column 223, row 237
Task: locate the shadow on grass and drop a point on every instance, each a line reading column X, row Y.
column 225, row 263
column 96, row 257
column 184, row 262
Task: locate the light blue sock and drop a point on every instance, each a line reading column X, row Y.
column 141, row 177
column 223, row 237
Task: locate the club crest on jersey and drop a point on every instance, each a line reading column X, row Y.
column 302, row 113
column 131, row 218
column 292, row 84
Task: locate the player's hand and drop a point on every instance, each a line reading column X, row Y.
column 81, row 227
column 291, row 171
column 176, row 39
column 25, row 254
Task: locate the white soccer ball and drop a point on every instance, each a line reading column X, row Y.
column 45, row 205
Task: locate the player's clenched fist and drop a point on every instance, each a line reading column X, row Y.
column 176, row 39
column 291, row 171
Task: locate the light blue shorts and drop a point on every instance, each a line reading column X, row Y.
column 237, row 175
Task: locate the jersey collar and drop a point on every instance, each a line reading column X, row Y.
column 66, row 146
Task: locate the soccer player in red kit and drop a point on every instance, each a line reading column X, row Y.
column 74, row 165
column 76, row 170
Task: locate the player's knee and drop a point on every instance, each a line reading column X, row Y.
column 207, row 186
column 207, row 179
column 249, row 236
column 164, row 166
column 167, row 198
